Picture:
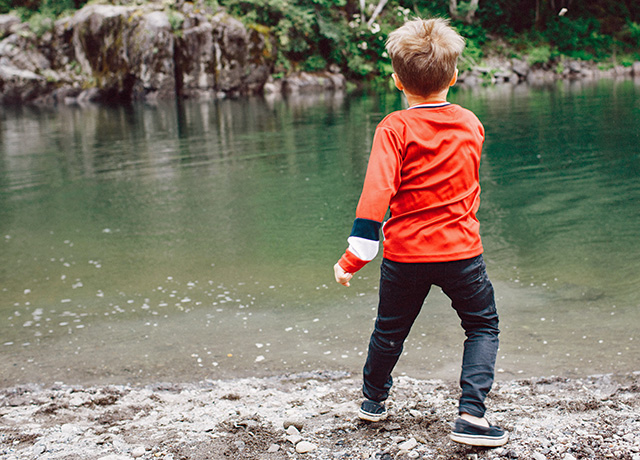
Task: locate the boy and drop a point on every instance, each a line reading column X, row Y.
column 424, row 167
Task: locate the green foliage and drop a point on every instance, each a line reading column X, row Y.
column 176, row 20
column 40, row 23
column 539, row 55
column 579, row 38
column 312, row 34
column 634, row 31
column 45, row 8
column 5, row 6
column 475, row 38
column 314, row 64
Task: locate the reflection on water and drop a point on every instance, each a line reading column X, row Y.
column 195, row 240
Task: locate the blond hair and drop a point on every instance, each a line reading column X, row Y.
column 424, row 53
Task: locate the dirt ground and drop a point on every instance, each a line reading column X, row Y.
column 548, row 418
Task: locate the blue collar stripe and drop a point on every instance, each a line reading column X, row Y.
column 430, row 106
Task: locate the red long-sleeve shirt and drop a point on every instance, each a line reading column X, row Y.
column 424, row 168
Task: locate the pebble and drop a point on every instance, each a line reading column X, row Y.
column 568, row 457
column 293, row 435
column 292, row 430
column 294, row 438
column 76, row 401
column 408, row 445
column 305, row 446
column 391, row 427
column 273, row 448
column 138, row 452
column 538, row 456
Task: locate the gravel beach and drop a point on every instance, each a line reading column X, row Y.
column 313, row 416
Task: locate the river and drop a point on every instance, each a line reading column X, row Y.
column 195, row 240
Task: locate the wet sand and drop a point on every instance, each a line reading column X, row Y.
column 548, row 418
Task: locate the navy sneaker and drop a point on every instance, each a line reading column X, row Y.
column 372, row 411
column 475, row 435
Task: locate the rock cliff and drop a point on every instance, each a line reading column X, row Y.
column 118, row 53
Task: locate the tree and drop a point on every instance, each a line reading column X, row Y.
column 375, row 13
column 464, row 12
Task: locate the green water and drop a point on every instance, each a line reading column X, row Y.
column 195, row 241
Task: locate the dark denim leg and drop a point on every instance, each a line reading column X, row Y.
column 472, row 296
column 401, row 298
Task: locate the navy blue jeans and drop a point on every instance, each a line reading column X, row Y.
column 403, row 289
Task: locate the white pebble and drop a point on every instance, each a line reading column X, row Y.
column 408, row 445
column 305, row 446
column 138, row 452
column 292, row 430
column 294, row 438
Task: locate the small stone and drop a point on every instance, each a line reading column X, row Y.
column 292, row 430
column 408, row 445
column 538, row 456
column 76, row 401
column 294, row 438
column 138, row 452
column 305, row 446
column 415, row 413
column 273, row 448
column 568, row 457
column 391, row 427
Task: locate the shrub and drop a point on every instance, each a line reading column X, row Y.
column 539, row 55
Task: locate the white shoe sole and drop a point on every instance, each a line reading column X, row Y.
column 362, row 415
column 478, row 440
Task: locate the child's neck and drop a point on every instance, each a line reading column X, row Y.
column 435, row 98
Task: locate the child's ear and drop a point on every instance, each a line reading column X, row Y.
column 397, row 82
column 454, row 79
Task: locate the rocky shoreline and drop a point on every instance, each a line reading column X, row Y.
column 117, row 53
column 517, row 71
column 312, row 416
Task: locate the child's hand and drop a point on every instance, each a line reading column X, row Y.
column 342, row 277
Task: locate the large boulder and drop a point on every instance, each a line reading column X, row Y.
column 219, row 55
column 127, row 53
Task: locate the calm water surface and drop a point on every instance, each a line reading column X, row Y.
column 196, row 241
